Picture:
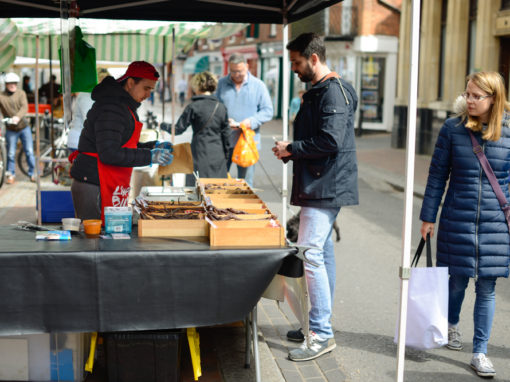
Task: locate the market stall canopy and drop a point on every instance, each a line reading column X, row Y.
column 244, row 11
column 114, row 40
column 196, row 64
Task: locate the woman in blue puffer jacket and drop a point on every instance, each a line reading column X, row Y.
column 473, row 240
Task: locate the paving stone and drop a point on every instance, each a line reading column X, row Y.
column 327, row 363
column 335, row 376
column 292, row 376
column 315, row 379
column 309, row 370
column 286, row 364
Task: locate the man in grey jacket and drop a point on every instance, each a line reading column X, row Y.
column 325, row 178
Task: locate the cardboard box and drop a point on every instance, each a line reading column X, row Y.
column 43, row 357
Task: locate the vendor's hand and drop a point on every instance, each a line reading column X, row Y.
column 426, row 228
column 280, row 149
column 162, row 157
column 164, row 145
column 15, row 120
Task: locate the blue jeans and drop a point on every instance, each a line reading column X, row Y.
column 315, row 227
column 11, row 137
column 483, row 313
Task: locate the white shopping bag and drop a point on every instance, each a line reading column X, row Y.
column 427, row 305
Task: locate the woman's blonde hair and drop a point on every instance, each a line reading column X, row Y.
column 491, row 83
column 204, row 82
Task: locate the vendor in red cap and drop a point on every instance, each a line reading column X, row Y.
column 108, row 148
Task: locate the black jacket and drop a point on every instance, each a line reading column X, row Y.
column 210, row 145
column 325, row 170
column 108, row 127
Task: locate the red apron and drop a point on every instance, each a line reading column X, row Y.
column 114, row 180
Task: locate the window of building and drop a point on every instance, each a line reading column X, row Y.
column 440, row 88
column 505, row 4
column 272, row 30
column 372, row 88
column 473, row 10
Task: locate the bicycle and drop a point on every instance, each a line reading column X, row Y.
column 46, row 159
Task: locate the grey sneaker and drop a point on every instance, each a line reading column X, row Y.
column 482, row 365
column 312, row 348
column 296, row 335
column 454, row 339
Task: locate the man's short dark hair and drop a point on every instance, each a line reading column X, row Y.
column 307, row 44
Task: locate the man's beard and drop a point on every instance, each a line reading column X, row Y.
column 307, row 74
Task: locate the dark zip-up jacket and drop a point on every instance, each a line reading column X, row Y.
column 109, row 125
column 472, row 237
column 325, row 170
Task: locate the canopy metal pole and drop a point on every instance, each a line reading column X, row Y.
column 408, row 204
column 37, row 132
column 163, row 79
column 285, row 119
column 172, row 75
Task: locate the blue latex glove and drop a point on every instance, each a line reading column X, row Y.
column 164, row 145
column 162, row 157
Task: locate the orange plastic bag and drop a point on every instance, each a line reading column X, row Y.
column 245, row 151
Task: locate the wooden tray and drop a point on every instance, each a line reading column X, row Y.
column 173, row 228
column 234, row 233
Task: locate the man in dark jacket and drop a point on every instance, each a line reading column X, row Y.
column 108, row 148
column 325, row 178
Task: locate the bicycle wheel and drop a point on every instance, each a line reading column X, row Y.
column 45, row 168
column 3, row 162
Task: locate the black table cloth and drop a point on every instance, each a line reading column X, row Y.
column 86, row 285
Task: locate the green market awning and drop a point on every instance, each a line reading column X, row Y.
column 196, row 64
column 114, row 40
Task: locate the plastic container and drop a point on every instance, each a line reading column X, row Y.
column 92, row 227
column 143, row 356
column 56, row 205
column 118, row 219
column 71, row 224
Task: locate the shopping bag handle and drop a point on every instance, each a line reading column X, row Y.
column 419, row 250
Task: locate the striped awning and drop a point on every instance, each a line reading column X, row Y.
column 8, row 32
column 114, row 40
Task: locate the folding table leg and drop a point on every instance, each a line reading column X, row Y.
column 255, row 335
column 247, row 353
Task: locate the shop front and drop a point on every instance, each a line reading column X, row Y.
column 369, row 63
column 271, row 73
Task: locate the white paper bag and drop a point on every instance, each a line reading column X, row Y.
column 427, row 308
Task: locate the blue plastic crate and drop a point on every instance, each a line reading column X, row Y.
column 55, row 205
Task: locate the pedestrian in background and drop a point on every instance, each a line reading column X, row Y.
column 294, row 106
column 208, row 118
column 182, row 88
column 13, row 105
column 248, row 102
column 473, row 239
column 28, row 90
column 325, row 178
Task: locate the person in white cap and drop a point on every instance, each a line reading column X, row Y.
column 14, row 107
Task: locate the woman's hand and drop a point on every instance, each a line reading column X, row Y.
column 426, row 228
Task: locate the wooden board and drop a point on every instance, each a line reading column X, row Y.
column 246, row 234
column 172, row 228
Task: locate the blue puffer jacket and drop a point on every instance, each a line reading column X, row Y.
column 473, row 238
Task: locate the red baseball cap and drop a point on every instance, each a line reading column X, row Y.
column 140, row 69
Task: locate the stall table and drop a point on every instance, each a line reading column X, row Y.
column 105, row 285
